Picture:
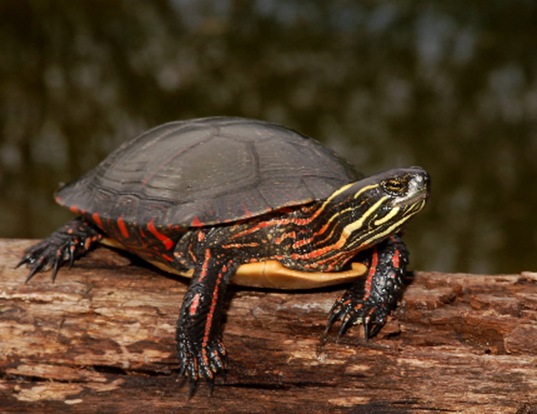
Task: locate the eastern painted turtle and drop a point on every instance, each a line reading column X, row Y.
column 221, row 198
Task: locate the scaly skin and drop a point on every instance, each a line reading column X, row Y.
column 369, row 301
column 199, row 334
column 360, row 221
column 65, row 245
column 212, row 253
column 199, row 337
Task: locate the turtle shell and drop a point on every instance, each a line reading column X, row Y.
column 208, row 171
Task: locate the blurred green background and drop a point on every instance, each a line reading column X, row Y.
column 450, row 86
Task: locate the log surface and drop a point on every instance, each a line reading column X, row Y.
column 101, row 339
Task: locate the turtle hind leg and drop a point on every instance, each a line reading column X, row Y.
column 65, row 245
column 369, row 301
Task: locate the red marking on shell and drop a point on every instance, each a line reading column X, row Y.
column 246, row 211
column 97, row 220
column 196, row 222
column 76, row 210
column 123, row 228
column 166, row 241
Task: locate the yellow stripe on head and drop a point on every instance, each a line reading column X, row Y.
column 364, row 189
column 393, row 212
column 356, row 225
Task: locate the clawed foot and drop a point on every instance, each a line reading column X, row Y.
column 369, row 301
column 47, row 255
column 63, row 246
column 201, row 362
column 351, row 311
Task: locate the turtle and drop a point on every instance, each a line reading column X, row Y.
column 226, row 199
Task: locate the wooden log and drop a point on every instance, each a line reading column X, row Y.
column 101, row 339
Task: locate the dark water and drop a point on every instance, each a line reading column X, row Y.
column 450, row 86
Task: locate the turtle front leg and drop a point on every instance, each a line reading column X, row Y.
column 199, row 337
column 65, row 245
column 369, row 301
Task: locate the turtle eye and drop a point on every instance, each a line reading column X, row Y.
column 395, row 186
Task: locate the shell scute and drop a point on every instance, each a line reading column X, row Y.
column 208, row 171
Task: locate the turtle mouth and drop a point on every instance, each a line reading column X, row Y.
column 418, row 191
column 413, row 199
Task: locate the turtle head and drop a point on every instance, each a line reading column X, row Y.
column 376, row 207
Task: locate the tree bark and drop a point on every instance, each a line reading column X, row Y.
column 101, row 339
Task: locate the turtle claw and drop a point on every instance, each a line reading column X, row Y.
column 369, row 302
column 345, row 325
column 351, row 312
column 210, row 384
column 63, row 246
column 37, row 262
column 46, row 255
column 35, row 269
column 55, row 268
column 201, row 364
column 193, row 385
column 192, row 388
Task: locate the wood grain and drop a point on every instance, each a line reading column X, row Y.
column 101, row 339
